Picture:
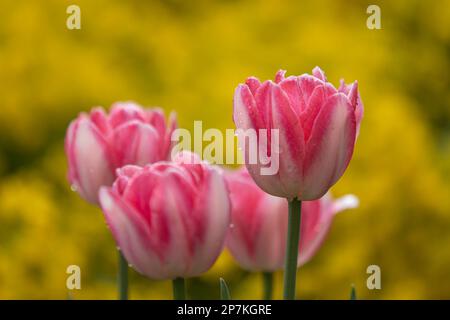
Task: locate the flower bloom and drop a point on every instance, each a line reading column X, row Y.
column 317, row 126
column 257, row 239
column 98, row 143
column 169, row 219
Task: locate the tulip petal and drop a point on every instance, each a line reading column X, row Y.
column 156, row 197
column 269, row 183
column 155, row 117
column 100, row 120
column 280, row 76
column 138, row 190
column 270, row 239
column 186, row 157
column 317, row 217
column 124, row 175
column 123, row 112
column 248, row 117
column 357, row 104
column 245, row 112
column 263, row 101
column 330, row 146
column 168, row 143
column 316, row 101
column 259, row 223
column 136, row 143
column 300, row 89
column 132, row 235
column 318, row 73
column 157, row 120
column 307, row 84
column 291, row 87
column 245, row 198
column 155, row 194
column 193, row 164
column 89, row 164
column 214, row 205
column 128, row 171
column 170, row 207
column 291, row 142
column 253, row 84
column 346, row 202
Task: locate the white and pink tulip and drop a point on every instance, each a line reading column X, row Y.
column 98, row 143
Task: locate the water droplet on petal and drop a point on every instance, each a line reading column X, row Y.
column 130, row 265
column 74, row 187
column 118, row 248
column 231, row 225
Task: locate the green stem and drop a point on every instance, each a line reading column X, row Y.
column 293, row 236
column 353, row 293
column 122, row 282
column 268, row 285
column 179, row 291
column 224, row 291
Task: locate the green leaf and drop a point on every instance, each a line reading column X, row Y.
column 224, row 291
column 353, row 293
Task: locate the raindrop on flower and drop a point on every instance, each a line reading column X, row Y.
column 231, row 225
column 73, row 187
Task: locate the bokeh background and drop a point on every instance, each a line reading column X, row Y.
column 188, row 56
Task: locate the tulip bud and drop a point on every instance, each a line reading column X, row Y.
column 257, row 239
column 98, row 143
column 169, row 219
column 317, row 126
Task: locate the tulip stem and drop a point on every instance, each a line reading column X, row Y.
column 268, row 285
column 179, row 291
column 353, row 292
column 293, row 236
column 122, row 282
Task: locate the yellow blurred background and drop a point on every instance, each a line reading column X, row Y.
column 188, row 56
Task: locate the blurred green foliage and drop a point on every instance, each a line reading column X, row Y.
column 188, row 56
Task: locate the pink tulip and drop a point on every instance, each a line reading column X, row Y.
column 317, row 126
column 169, row 219
column 257, row 239
column 98, row 143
